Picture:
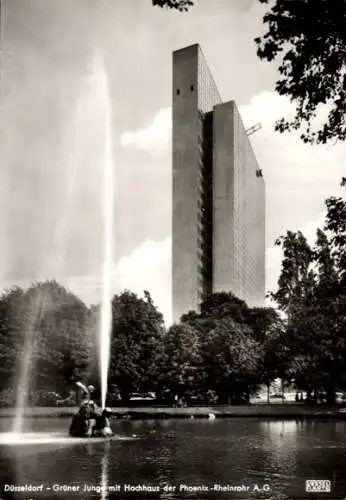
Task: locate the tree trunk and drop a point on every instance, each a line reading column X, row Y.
column 230, row 392
column 125, row 396
column 308, row 396
column 315, row 397
column 268, row 394
column 331, row 397
column 247, row 395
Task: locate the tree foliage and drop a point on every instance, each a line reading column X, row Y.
column 232, row 339
column 11, row 340
column 308, row 39
column 223, row 305
column 181, row 5
column 227, row 349
column 137, row 343
column 45, row 326
column 56, row 335
column 296, row 280
column 311, row 291
column 230, row 358
column 335, row 224
column 181, row 360
column 264, row 321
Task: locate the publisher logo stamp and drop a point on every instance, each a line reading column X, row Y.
column 318, row 486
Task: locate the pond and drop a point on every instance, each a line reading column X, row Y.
column 221, row 459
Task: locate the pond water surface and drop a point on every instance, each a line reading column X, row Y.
column 221, row 459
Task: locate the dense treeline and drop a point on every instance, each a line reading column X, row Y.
column 217, row 355
column 220, row 355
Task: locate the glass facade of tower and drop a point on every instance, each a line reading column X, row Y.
column 208, row 94
column 249, row 218
column 239, row 210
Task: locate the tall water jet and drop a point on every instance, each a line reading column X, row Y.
column 102, row 88
column 72, row 146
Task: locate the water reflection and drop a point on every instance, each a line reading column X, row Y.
column 282, row 454
column 280, row 448
column 104, row 472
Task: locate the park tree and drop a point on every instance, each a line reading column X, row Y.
column 297, row 278
column 11, row 326
column 65, row 350
column 311, row 292
column 217, row 306
column 57, row 336
column 294, row 296
column 307, row 39
column 274, row 361
column 316, row 356
column 335, row 225
column 327, row 283
column 227, row 305
column 263, row 321
column 230, row 354
column 180, row 363
column 224, row 305
column 45, row 327
column 332, row 265
column 268, row 329
column 230, row 358
column 262, row 327
column 136, row 344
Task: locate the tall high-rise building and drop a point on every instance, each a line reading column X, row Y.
column 218, row 193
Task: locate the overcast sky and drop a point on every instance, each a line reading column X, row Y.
column 51, row 137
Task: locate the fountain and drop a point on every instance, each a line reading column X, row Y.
column 72, row 170
column 98, row 92
column 108, row 194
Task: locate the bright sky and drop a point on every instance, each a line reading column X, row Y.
column 51, row 138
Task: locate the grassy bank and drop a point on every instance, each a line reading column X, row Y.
column 275, row 411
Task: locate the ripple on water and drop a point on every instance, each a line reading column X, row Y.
column 37, row 438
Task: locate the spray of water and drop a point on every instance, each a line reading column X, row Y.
column 27, row 363
column 102, row 87
column 97, row 93
column 54, row 259
column 17, row 424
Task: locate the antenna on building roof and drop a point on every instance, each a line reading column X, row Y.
column 253, row 129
